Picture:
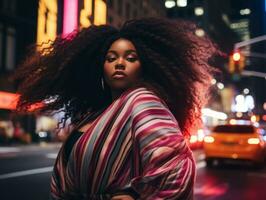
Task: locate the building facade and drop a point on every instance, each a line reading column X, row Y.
column 122, row 10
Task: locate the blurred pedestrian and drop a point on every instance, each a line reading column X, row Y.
column 132, row 94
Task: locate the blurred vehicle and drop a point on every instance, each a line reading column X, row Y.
column 236, row 142
column 44, row 136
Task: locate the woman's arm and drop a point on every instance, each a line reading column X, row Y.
column 166, row 163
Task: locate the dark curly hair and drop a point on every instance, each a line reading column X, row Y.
column 67, row 74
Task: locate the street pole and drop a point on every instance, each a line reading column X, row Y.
column 253, row 54
column 253, row 73
column 248, row 42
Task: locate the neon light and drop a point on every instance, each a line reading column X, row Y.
column 47, row 21
column 100, row 12
column 70, row 16
column 85, row 14
column 99, row 15
column 8, row 100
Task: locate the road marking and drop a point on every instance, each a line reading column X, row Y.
column 52, row 155
column 201, row 164
column 9, row 149
column 26, row 172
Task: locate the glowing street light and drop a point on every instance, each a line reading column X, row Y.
column 169, row 4
column 200, row 32
column 198, row 11
column 213, row 81
column 246, row 91
column 181, row 3
column 220, row 85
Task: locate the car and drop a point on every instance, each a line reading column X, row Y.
column 44, row 136
column 234, row 142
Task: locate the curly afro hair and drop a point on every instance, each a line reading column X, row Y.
column 67, row 74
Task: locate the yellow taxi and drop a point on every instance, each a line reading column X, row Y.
column 234, row 141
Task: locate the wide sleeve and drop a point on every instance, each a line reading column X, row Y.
column 163, row 162
column 63, row 184
column 57, row 179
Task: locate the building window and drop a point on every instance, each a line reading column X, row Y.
column 10, row 49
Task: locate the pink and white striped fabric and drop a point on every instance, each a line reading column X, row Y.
column 134, row 147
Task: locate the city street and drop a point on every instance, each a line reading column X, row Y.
column 229, row 181
column 25, row 171
column 25, row 174
column 120, row 71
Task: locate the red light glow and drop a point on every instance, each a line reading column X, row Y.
column 9, row 101
column 236, row 56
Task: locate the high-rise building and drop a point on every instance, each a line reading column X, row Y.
column 228, row 23
column 17, row 30
column 122, row 10
column 211, row 16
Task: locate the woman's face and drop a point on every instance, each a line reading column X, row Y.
column 122, row 68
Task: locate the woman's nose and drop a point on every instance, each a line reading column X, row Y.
column 120, row 64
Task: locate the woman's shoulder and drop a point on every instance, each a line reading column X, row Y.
column 142, row 94
column 144, row 98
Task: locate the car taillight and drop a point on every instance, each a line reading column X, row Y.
column 253, row 141
column 208, row 139
column 193, row 139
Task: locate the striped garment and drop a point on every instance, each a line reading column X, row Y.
column 134, row 147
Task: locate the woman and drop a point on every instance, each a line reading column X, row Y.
column 132, row 95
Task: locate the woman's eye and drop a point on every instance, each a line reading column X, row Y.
column 110, row 59
column 132, row 59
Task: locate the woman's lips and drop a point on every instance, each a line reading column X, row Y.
column 119, row 75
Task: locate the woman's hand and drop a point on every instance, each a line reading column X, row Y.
column 122, row 197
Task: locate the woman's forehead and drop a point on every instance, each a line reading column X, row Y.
column 122, row 44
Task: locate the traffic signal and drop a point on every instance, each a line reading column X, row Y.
column 236, row 62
